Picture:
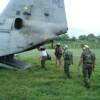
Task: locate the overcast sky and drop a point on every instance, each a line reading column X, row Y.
column 3, row 3
column 80, row 14
column 83, row 15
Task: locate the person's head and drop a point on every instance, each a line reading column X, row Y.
column 65, row 47
column 86, row 46
column 42, row 48
column 58, row 45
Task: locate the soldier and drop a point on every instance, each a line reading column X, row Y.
column 88, row 60
column 68, row 60
column 58, row 55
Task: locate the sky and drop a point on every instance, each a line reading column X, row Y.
column 3, row 3
column 83, row 16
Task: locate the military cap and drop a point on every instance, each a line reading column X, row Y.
column 86, row 46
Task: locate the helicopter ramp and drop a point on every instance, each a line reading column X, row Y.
column 9, row 62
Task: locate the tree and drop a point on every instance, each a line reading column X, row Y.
column 64, row 37
column 98, row 38
column 91, row 37
column 73, row 38
column 82, row 37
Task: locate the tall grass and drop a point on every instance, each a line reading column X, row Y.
column 38, row 84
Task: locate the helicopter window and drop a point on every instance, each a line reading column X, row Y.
column 46, row 14
column 17, row 12
column 18, row 23
column 27, row 10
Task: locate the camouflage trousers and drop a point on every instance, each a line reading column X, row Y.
column 67, row 69
column 43, row 62
column 87, row 72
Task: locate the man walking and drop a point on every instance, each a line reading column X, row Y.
column 43, row 57
column 68, row 60
column 88, row 60
column 58, row 55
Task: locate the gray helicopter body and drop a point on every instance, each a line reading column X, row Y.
column 25, row 24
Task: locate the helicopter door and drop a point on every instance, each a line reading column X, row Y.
column 5, row 25
column 5, row 29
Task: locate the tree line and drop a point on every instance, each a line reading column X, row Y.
column 73, row 42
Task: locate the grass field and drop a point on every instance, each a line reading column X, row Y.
column 38, row 84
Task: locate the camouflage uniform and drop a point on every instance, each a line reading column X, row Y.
column 68, row 60
column 88, row 64
column 58, row 52
column 58, row 55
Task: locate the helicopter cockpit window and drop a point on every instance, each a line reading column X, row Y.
column 18, row 23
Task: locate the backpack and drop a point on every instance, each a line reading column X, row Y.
column 48, row 57
column 68, row 57
column 87, row 58
column 58, row 51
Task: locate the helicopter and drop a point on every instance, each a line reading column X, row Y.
column 26, row 24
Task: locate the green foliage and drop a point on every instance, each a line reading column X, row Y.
column 74, row 42
column 82, row 37
column 63, row 37
column 38, row 84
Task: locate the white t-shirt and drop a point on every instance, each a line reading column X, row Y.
column 43, row 53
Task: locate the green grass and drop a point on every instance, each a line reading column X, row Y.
column 38, row 84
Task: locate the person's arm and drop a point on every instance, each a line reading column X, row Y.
column 39, row 56
column 80, row 61
column 71, row 58
column 55, row 51
column 94, row 65
column 94, row 62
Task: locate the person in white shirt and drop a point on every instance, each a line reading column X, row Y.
column 43, row 57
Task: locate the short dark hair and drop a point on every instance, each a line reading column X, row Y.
column 42, row 48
